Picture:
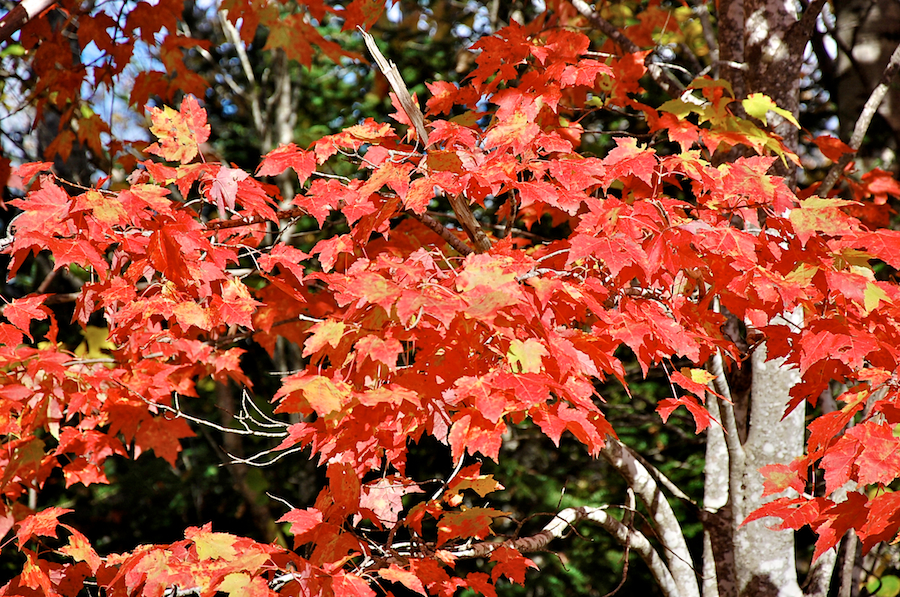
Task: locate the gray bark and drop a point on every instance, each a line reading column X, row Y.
column 764, row 558
column 767, row 39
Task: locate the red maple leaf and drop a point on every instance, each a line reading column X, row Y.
column 180, row 133
column 510, row 563
column 42, row 524
column 21, row 312
column 288, row 156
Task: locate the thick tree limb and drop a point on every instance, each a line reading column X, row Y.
column 668, row 528
column 862, row 123
column 567, row 518
column 21, row 14
column 414, row 114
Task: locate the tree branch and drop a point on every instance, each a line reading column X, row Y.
column 453, row 240
column 567, row 518
column 414, row 114
column 660, row 76
column 666, row 523
column 20, row 14
column 862, row 123
column 801, row 32
column 234, row 37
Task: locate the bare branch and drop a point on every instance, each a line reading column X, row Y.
column 176, row 410
column 567, row 518
column 234, row 37
column 413, row 112
column 862, row 123
column 736, row 455
column 284, row 214
column 848, row 563
column 667, row 526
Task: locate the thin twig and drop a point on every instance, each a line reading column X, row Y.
column 284, row 214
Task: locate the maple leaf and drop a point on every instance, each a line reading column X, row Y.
column 31, row 169
column 470, row 522
column 288, row 156
column 759, row 104
column 693, row 380
column 79, row 549
column 837, row 519
column 302, row 392
column 817, row 215
column 470, row 478
column 42, row 524
column 286, row 257
column 162, row 436
column 527, row 356
column 510, row 563
column 879, row 458
column 180, row 133
column 409, row 580
column 43, row 209
column 329, row 249
column 21, row 312
column 839, row 462
column 779, row 477
column 302, row 521
column 795, row 512
column 881, row 184
column 882, row 520
column 236, row 305
column 823, row 345
column 105, row 207
column 516, row 132
column 328, row 332
column 382, row 350
column 225, row 187
column 350, row 585
column 473, row 433
column 210, row 545
column 345, row 487
column 628, row 159
column 831, row 147
column 296, row 37
column 481, row 582
column 384, row 498
column 241, row 584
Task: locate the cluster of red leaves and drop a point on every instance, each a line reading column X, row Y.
column 405, row 338
column 113, row 34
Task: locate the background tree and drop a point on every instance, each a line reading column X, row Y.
column 475, row 282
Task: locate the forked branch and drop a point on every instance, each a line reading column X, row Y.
column 565, row 520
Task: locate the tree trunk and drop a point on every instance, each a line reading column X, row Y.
column 761, row 44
